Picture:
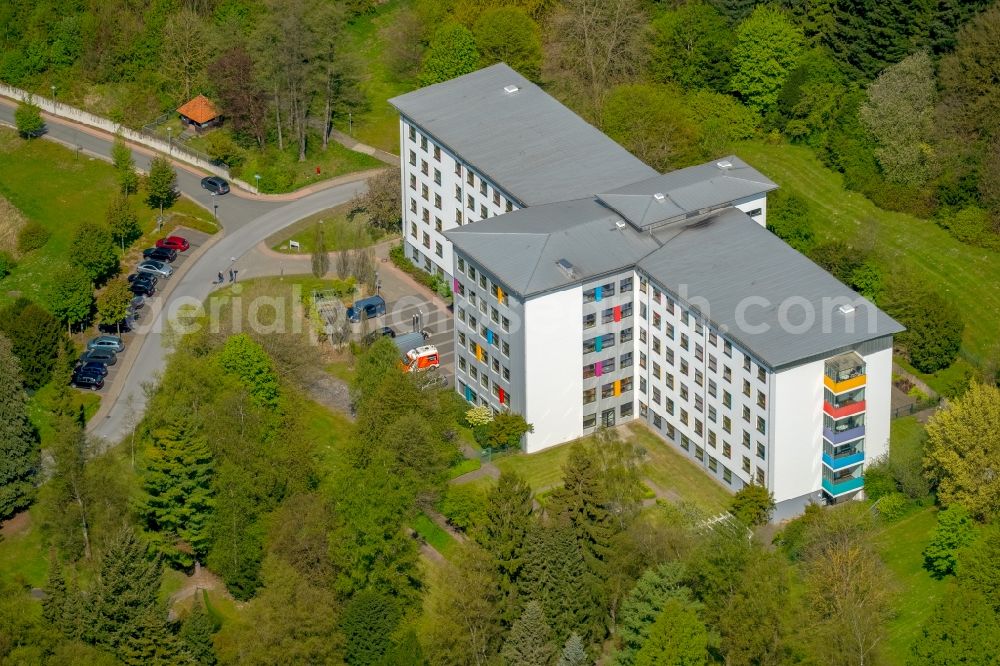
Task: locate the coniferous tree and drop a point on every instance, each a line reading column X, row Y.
column 125, row 599
column 19, row 451
column 196, row 633
column 36, row 338
column 55, row 594
column 677, row 638
column 503, row 533
column 574, row 652
column 530, row 640
column 555, row 574
column 150, row 642
column 178, row 486
column 643, row 605
column 368, row 622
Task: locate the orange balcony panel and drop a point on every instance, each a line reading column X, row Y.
column 846, row 385
column 846, row 410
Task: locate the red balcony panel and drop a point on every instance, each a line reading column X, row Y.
column 845, row 410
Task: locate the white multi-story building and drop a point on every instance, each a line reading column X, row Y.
column 661, row 298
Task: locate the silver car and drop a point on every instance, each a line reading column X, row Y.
column 155, row 268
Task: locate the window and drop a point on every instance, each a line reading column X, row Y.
column 413, row 205
column 699, row 404
column 712, row 363
column 669, row 406
column 437, row 223
column 699, row 453
column 608, row 390
column 588, row 371
column 760, row 450
column 761, row 400
column 656, row 320
column 668, row 355
column 589, row 396
column 669, row 380
column 657, row 420
column 712, row 439
column 684, row 367
column 642, row 384
column 727, row 450
column 458, row 170
column 746, row 388
column 761, row 375
column 470, row 203
column 642, row 310
column 761, row 425
column 589, row 421
column 713, row 339
column 657, row 295
column 496, row 365
column 746, row 413
column 471, row 179
column 504, row 348
column 461, row 314
column 496, row 198
column 482, row 281
column 437, row 153
column 643, row 285
column 746, row 439
column 461, row 363
column 413, row 182
column 656, row 395
column 699, row 352
column 684, row 417
column 427, row 240
column 437, row 177
column 656, row 370
column 482, row 187
column 423, row 192
column 423, row 143
column 626, row 409
column 494, row 316
column 625, row 360
column 438, row 250
column 760, row 477
column 699, row 378
column 727, row 475
column 413, row 158
column 437, row 201
column 713, row 415
column 684, row 391
column 413, row 133
column 699, row 427
column 625, row 285
column 728, row 349
column 625, row 334
column 712, row 388
column 727, row 399
column 727, row 424
column 458, row 217
column 482, row 211
column 669, row 330
column 713, row 464
column 656, row 345
column 746, row 464
column 642, row 360
column 755, row 212
column 727, row 374
column 510, row 206
column 472, row 272
column 589, row 320
column 424, row 169
column 608, row 365
column 425, row 215
column 506, row 373
column 413, row 229
column 642, row 335
column 685, row 343
column 746, row 363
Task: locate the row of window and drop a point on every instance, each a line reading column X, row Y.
column 495, row 290
column 492, row 338
column 607, row 290
column 468, row 366
column 428, row 266
column 624, row 410
column 501, row 394
column 484, row 307
column 608, row 390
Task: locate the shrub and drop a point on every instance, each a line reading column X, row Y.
column 7, row 264
column 753, row 505
column 478, row 416
column 954, row 531
column 934, row 325
column 463, row 505
column 276, row 178
column 33, row 236
column 892, row 506
column 971, row 225
column 879, row 481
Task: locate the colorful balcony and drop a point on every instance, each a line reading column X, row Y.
column 841, row 436
column 843, row 461
column 847, row 409
column 850, row 484
column 844, row 385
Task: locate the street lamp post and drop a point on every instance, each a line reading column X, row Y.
column 170, row 140
column 257, row 176
column 53, row 94
column 350, row 123
column 215, row 210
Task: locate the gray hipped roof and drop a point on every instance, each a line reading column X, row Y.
column 757, row 290
column 746, row 281
column 687, row 192
column 526, row 142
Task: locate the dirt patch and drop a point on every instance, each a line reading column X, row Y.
column 12, row 220
column 330, row 392
column 19, row 524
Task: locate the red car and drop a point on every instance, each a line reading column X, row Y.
column 174, row 243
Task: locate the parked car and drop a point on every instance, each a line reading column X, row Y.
column 88, row 379
column 160, row 254
column 105, row 356
column 178, row 243
column 156, row 268
column 385, row 331
column 138, row 303
column 215, row 185
column 143, row 284
column 124, row 326
column 109, row 342
column 94, row 367
column 369, row 308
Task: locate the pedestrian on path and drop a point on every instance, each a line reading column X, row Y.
column 235, row 273
column 221, row 279
column 232, row 275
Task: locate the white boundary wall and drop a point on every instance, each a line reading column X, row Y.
column 74, row 114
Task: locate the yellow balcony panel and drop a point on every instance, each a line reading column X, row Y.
column 846, row 385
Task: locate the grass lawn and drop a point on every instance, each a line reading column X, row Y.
column 464, row 466
column 948, row 381
column 378, row 125
column 672, row 472
column 901, row 545
column 21, row 555
column 51, row 185
column 438, row 538
column 40, row 409
column 966, row 275
column 338, row 232
column 666, row 468
column 907, row 438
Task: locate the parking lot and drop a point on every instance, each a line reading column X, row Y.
column 145, row 313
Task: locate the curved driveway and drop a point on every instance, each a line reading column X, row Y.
column 246, row 221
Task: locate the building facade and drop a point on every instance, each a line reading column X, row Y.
column 592, row 291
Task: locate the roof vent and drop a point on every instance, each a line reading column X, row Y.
column 511, row 89
column 568, row 269
column 620, row 225
column 724, row 164
column 846, row 309
column 660, row 196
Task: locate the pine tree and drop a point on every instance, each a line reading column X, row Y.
column 503, row 533
column 55, row 594
column 583, row 503
column 150, row 642
column 178, row 487
column 126, row 593
column 556, row 575
column 19, row 449
column 574, row 652
column 642, row 606
column 196, row 633
column 530, row 640
column 369, row 620
column 677, row 638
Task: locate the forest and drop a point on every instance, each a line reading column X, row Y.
column 306, row 524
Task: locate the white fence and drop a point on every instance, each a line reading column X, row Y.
column 175, row 151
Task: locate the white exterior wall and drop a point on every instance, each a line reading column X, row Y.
column 878, row 403
column 752, row 204
column 415, row 230
column 553, row 341
column 798, row 431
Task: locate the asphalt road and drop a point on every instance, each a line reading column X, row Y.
column 246, row 221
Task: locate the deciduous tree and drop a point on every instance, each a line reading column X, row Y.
column 19, row 450
column 690, row 46
column 320, row 260
column 196, row 633
column 899, row 114
column 122, row 221
column 753, row 505
column 954, row 531
column 94, row 251
column 28, row 119
column 241, row 96
column 963, row 445
column 71, row 296
column 36, row 338
column 508, row 34
column 380, row 202
column 113, row 303
column 962, row 629
column 124, row 163
column 248, row 361
column 767, row 48
column 653, row 123
column 161, row 184
column 187, row 48
column 452, row 52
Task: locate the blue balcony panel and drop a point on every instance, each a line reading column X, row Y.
column 844, row 461
column 843, row 435
column 842, row 487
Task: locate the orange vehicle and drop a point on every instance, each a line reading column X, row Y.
column 422, row 358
